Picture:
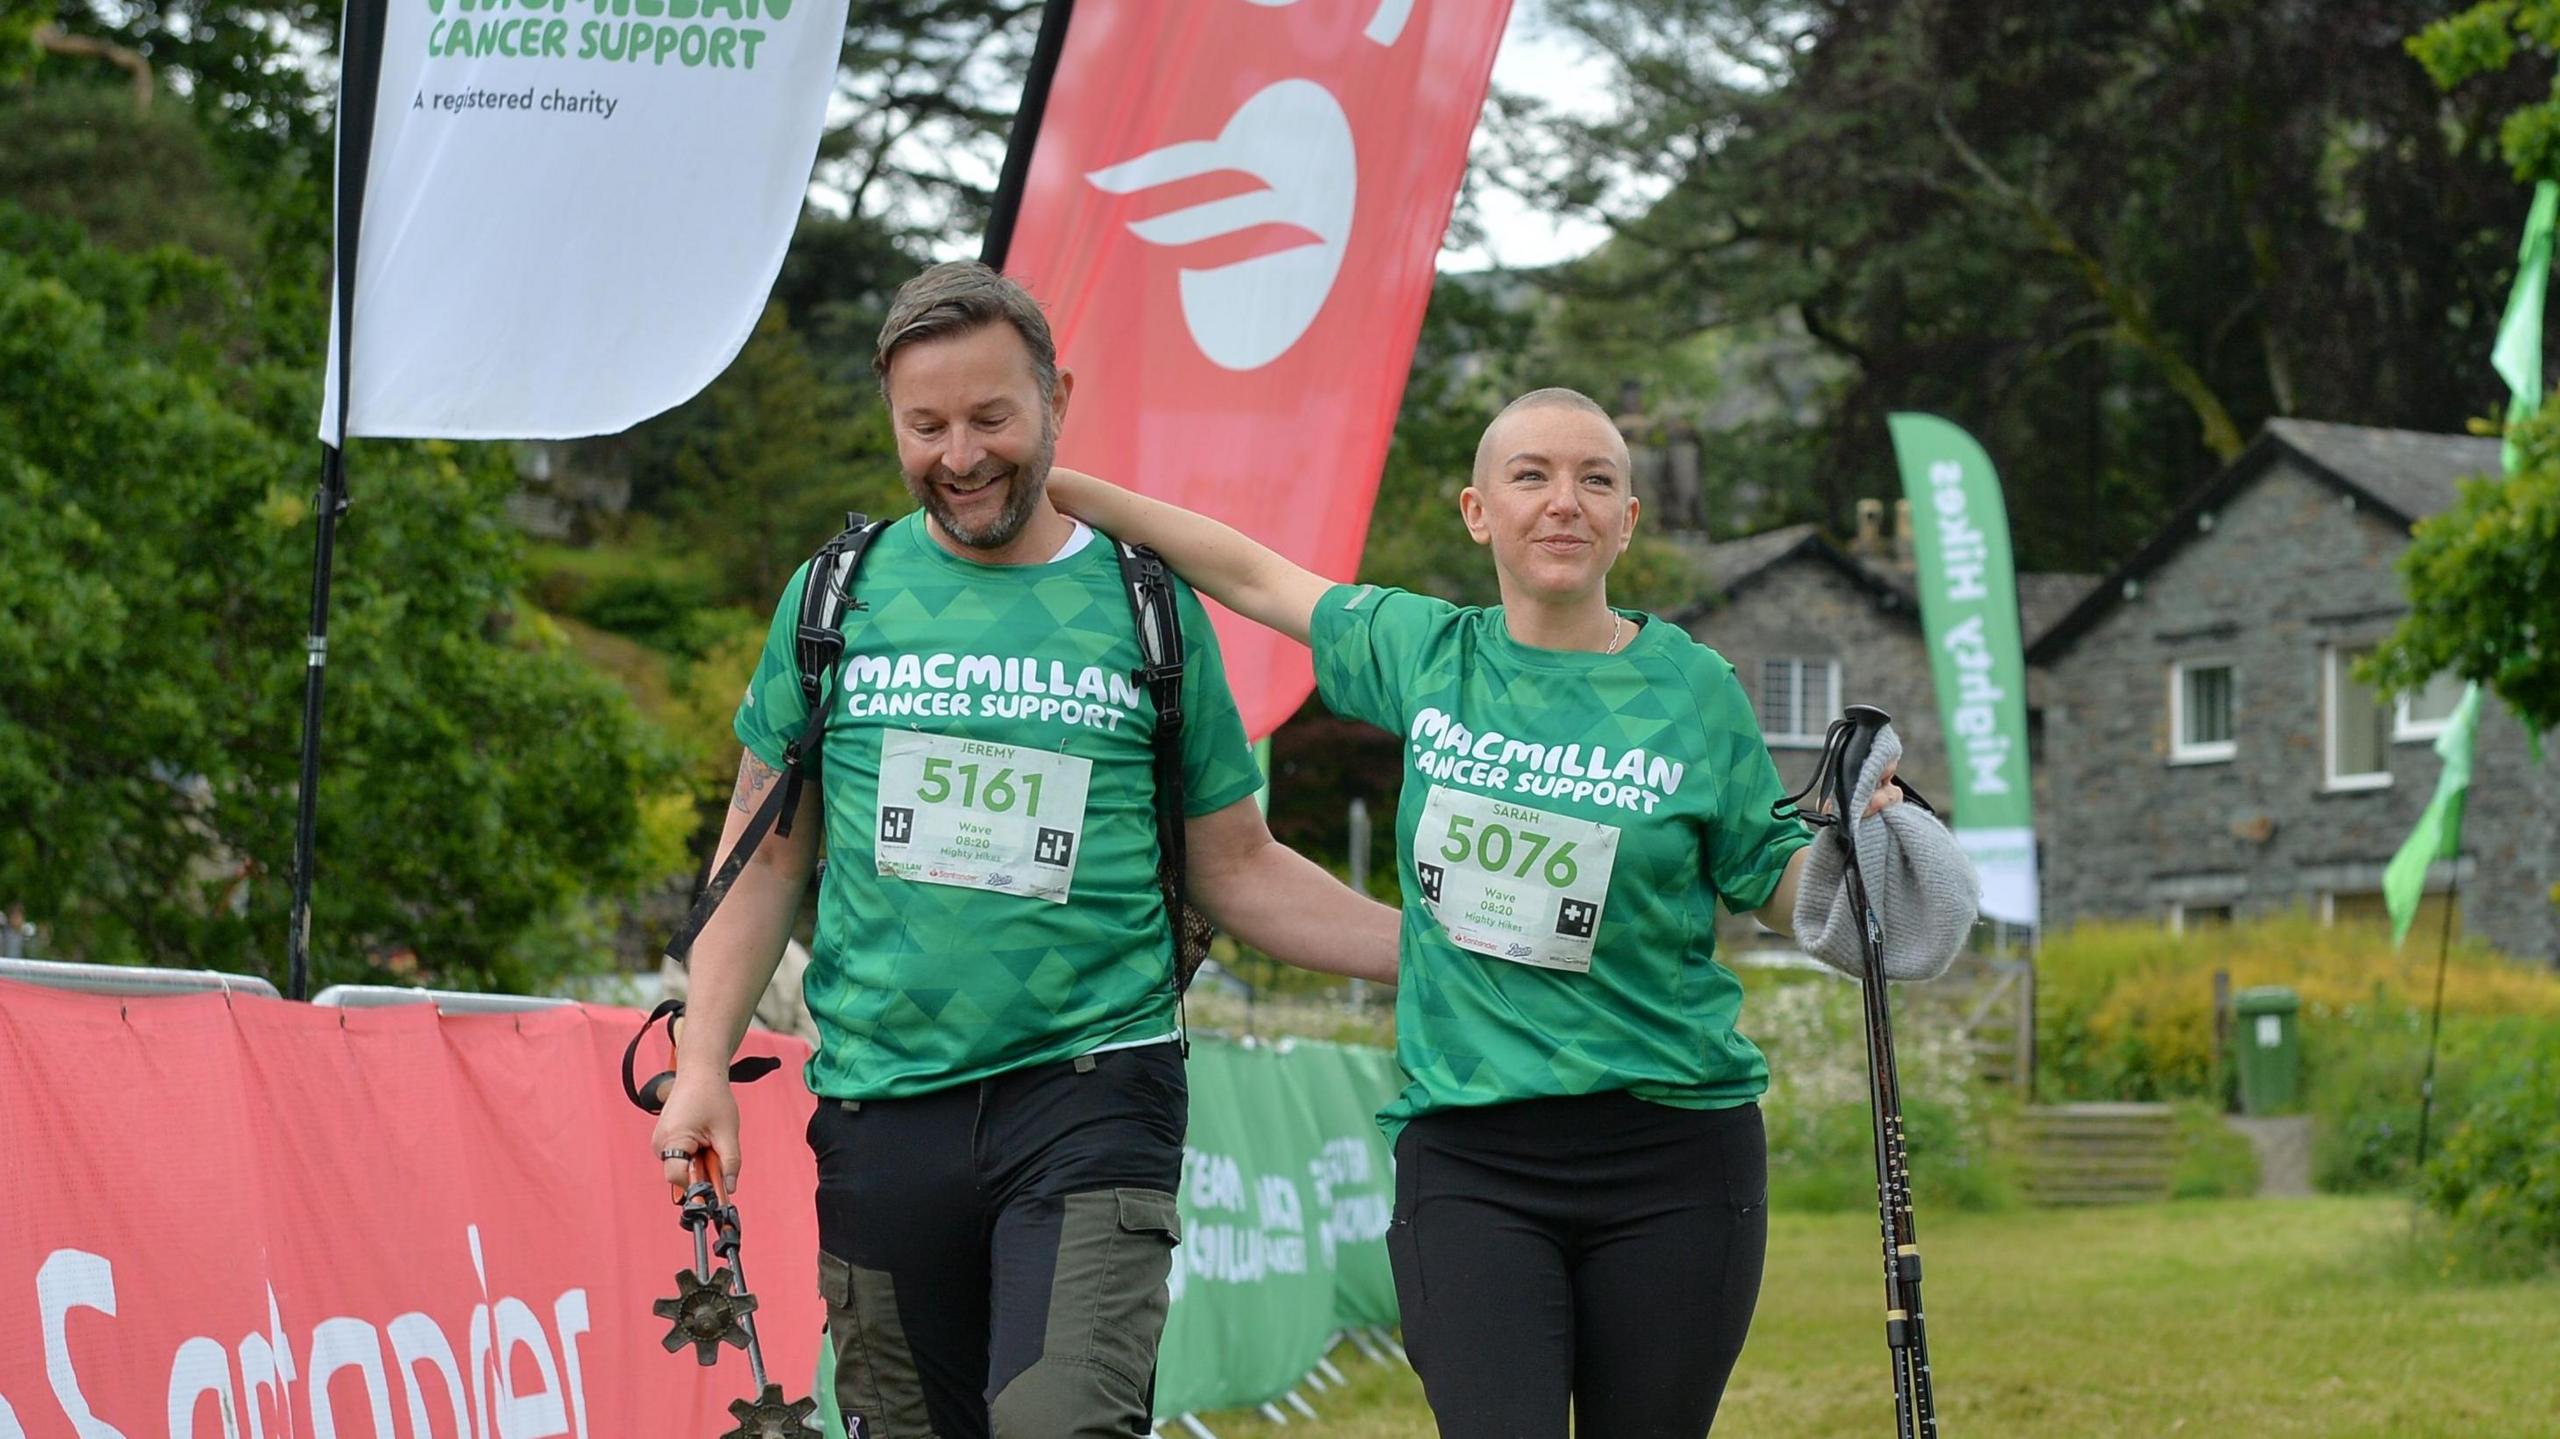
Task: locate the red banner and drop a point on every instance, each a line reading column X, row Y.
column 1233, row 214
column 247, row 1219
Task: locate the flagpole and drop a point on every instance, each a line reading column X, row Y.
column 1025, row 135
column 359, row 85
column 2435, row 1017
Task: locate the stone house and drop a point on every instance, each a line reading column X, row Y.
column 1810, row 625
column 2207, row 752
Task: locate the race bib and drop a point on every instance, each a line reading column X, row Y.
column 1514, row 882
column 980, row 815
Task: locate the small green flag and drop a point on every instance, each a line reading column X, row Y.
column 2517, row 356
column 2438, row 834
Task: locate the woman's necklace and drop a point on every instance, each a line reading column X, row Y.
column 1617, row 632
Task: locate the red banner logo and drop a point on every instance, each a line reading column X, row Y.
column 1233, row 216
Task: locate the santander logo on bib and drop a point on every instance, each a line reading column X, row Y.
column 1294, row 138
column 1233, row 213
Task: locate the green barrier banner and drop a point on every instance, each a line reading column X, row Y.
column 1969, row 611
column 1252, row 1297
column 1355, row 1178
column 1286, row 1189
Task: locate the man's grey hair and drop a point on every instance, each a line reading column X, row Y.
column 1553, row 397
column 957, row 298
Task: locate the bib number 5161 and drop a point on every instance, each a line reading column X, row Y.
column 995, row 793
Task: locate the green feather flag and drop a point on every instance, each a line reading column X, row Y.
column 2438, row 834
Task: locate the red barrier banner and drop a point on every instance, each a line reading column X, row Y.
column 1233, row 213
column 246, row 1218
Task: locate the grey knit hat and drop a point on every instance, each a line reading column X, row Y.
column 1918, row 879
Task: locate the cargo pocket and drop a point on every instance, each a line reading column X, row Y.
column 876, row 1378
column 1130, row 1307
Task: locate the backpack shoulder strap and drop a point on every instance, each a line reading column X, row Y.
column 1159, row 622
column 819, row 642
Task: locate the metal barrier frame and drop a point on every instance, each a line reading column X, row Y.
column 132, row 980
column 446, row 1001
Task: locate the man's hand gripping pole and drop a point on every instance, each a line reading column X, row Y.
column 711, row 1306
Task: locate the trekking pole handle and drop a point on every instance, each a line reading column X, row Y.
column 706, row 1170
column 1863, row 722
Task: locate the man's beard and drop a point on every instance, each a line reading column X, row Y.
column 1023, row 490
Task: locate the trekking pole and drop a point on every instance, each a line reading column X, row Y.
column 1844, row 756
column 711, row 1305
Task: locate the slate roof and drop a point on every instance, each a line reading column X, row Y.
column 2405, row 475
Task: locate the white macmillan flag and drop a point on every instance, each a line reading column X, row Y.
column 575, row 208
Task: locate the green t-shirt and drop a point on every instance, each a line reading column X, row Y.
column 1567, row 823
column 992, row 902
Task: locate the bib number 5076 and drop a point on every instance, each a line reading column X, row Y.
column 1511, row 881
column 1491, row 846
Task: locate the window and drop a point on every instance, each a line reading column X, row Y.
column 2187, row 918
column 2356, row 730
column 2423, row 715
column 2200, row 711
column 1798, row 698
column 2353, row 909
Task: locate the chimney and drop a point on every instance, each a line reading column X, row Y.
column 1869, row 545
column 1903, row 536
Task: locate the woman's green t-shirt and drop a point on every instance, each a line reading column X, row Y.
column 1568, row 822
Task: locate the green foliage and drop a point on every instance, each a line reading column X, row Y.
column 2110, row 240
column 18, row 40
column 731, row 490
column 772, row 457
column 2496, row 1182
column 2214, row 1161
column 641, row 588
column 2126, row 1012
column 2482, row 42
column 1821, row 1138
column 239, row 72
column 154, row 568
column 2370, row 1061
column 57, row 139
column 2484, row 585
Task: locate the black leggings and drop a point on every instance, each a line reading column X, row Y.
column 1597, row 1253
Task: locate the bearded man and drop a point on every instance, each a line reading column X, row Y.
column 1000, row 1083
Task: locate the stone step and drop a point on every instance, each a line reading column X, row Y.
column 2098, row 1153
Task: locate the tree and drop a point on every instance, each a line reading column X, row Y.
column 479, row 786
column 2110, row 240
column 263, row 109
column 771, row 460
column 2484, row 576
column 1474, row 354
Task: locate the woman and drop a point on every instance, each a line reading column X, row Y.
column 1581, row 1176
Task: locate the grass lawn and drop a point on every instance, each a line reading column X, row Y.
column 2241, row 1317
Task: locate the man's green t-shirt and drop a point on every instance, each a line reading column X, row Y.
column 1567, row 823
column 989, row 899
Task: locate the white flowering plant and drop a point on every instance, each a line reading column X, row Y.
column 1821, row 1144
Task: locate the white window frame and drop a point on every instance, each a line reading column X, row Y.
column 1820, row 716
column 2407, row 728
column 2332, row 663
column 2181, row 750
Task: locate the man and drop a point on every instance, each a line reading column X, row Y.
column 1001, row 1097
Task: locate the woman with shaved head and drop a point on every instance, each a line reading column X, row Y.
column 1581, row 1177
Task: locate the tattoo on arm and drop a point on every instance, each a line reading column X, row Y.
column 754, row 778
